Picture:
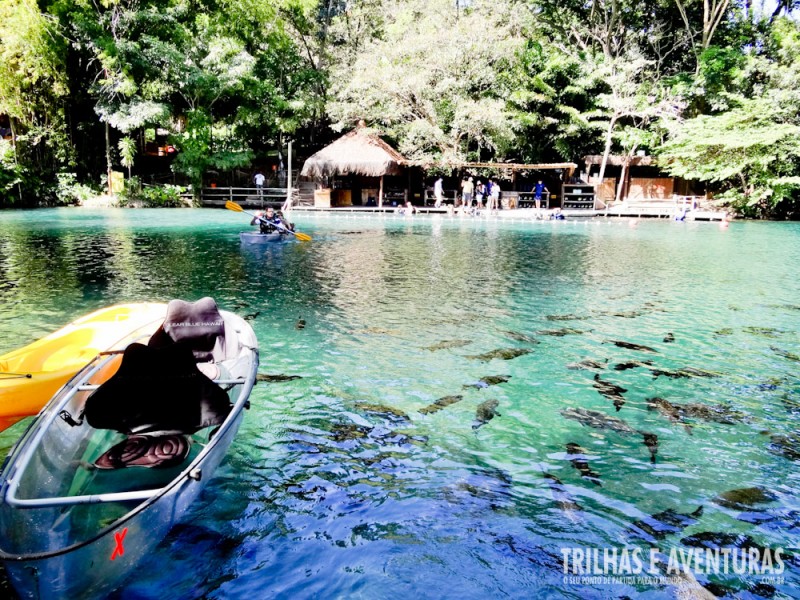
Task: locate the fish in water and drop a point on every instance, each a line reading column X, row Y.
column 597, row 420
column 786, row 445
column 665, row 523
column 448, row 344
column 251, row 316
column 301, row 324
column 561, row 332
column 579, row 462
column 276, row 378
column 440, row 404
column 631, row 346
column 521, row 337
column 669, row 338
column 745, row 498
column 724, row 331
column 562, row 497
column 718, row 413
column 632, row 364
column 651, row 441
column 785, row 354
column 503, row 353
column 587, row 365
column 671, row 374
column 485, row 382
column 485, row 412
column 713, row 540
column 669, row 410
column 393, row 414
column 611, row 391
column 567, row 317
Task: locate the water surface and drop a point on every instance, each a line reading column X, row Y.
column 350, row 481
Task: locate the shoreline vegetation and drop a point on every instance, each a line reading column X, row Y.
column 102, row 97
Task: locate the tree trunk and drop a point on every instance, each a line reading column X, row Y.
column 108, row 159
column 607, row 150
column 12, row 125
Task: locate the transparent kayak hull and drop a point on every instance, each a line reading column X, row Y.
column 255, row 238
column 71, row 530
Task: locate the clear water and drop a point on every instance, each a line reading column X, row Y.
column 324, row 495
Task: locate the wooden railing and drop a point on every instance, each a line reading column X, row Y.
column 246, row 196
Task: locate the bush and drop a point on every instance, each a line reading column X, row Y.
column 69, row 191
column 155, row 196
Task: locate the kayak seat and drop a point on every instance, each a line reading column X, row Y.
column 199, row 325
column 162, row 451
column 157, row 390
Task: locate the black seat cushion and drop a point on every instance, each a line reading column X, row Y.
column 198, row 324
column 157, row 389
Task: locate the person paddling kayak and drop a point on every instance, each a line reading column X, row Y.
column 269, row 221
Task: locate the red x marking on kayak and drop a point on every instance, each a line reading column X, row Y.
column 119, row 550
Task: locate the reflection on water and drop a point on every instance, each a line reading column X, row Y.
column 449, row 403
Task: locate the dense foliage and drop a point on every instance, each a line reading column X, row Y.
column 707, row 87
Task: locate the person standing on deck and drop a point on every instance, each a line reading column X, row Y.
column 494, row 197
column 259, row 179
column 480, row 190
column 467, row 188
column 539, row 189
column 438, row 193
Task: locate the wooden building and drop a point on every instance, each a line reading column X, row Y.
column 357, row 169
column 640, row 178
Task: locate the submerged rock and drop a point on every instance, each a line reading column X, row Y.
column 567, row 317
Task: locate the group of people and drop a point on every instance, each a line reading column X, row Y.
column 477, row 191
column 471, row 191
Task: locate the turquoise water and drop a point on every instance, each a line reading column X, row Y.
column 338, row 486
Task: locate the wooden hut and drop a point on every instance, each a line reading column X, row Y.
column 351, row 170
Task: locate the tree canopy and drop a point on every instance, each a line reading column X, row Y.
column 709, row 88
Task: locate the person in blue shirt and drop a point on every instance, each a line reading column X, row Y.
column 539, row 189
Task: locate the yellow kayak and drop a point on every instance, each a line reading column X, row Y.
column 30, row 376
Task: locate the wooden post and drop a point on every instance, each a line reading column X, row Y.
column 289, row 178
column 380, row 194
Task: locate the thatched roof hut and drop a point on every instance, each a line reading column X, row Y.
column 359, row 152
